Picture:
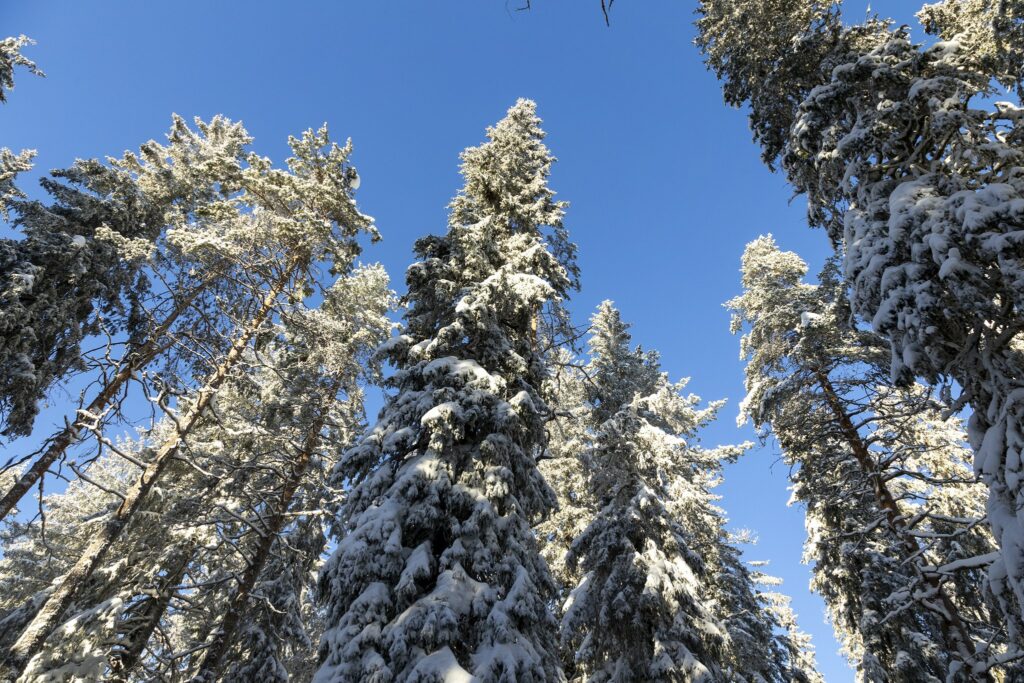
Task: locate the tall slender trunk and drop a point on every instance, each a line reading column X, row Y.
column 952, row 625
column 136, row 359
column 223, row 635
column 140, row 626
column 35, row 634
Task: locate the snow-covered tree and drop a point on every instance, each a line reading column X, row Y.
column 594, row 402
column 641, row 609
column 565, row 469
column 37, row 554
column 275, row 231
column 111, row 230
column 802, row 663
column 11, row 164
column 617, row 372
column 254, row 479
column 278, row 639
column 895, row 520
column 438, row 575
column 915, row 173
column 571, row 386
column 757, row 651
column 325, row 355
column 74, row 273
column 11, row 58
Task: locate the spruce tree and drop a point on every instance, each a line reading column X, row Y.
column 642, row 610
column 757, row 650
column 799, row 650
column 437, row 575
column 11, row 58
column 11, row 164
column 565, row 470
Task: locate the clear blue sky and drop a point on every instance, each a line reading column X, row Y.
column 664, row 182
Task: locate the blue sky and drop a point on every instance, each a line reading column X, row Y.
column 665, row 184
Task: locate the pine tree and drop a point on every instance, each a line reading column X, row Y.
column 278, row 640
column 76, row 273
column 765, row 643
column 300, row 218
column 225, row 504
column 877, row 467
column 438, row 575
column 322, row 354
column 39, row 552
column 915, row 174
column 125, row 223
column 641, row 611
column 753, row 645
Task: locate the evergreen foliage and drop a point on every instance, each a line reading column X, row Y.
column 521, row 511
column 913, row 170
column 895, row 518
column 438, row 575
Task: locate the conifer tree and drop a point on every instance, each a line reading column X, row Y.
column 565, row 470
column 437, row 575
column 127, row 223
column 279, row 637
column 39, row 552
column 754, row 644
column 34, row 554
column 879, row 469
column 75, row 273
column 322, row 358
column 11, row 58
column 915, row 173
column 257, row 456
column 12, row 164
column 274, row 232
column 756, row 649
column 800, row 651
column 641, row 610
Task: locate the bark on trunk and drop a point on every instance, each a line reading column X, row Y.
column 137, row 359
column 952, row 625
column 223, row 635
column 32, row 638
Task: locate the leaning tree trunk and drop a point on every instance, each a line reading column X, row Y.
column 952, row 625
column 223, row 635
column 137, row 359
column 32, row 638
column 144, row 621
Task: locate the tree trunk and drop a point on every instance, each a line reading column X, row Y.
column 127, row 655
column 35, row 634
column 223, row 635
column 137, row 359
column 952, row 625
